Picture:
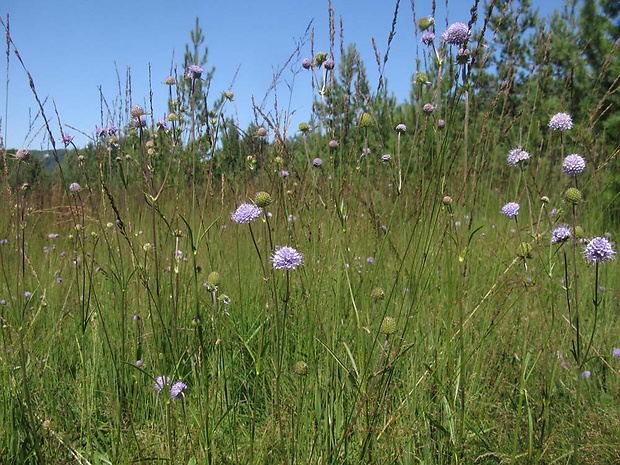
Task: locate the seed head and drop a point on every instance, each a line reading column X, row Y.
column 170, row 81
column 388, row 326
column 377, row 293
column 300, row 368
column 262, row 199
column 320, row 58
column 426, row 22
column 365, row 120
column 572, row 195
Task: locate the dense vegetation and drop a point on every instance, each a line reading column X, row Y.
column 433, row 281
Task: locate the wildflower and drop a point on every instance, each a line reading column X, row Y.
column 75, row 187
column 27, row 294
column 137, row 111
column 447, row 200
column 365, row 151
column 457, row 34
column 139, row 122
column 67, row 139
column 194, row 71
column 426, row 22
column 229, row 95
column 306, row 63
column 52, row 236
column 317, row 162
column 111, row 130
column 615, row 353
column 286, row 258
column 560, row 234
column 516, row 156
column 139, row 363
column 511, row 209
column 561, row 122
column 428, row 108
column 401, row 128
column 333, row 144
column 99, row 131
column 177, row 391
column 365, row 120
column 586, row 374
column 329, row 64
column 170, row 81
column 224, row 299
column 161, row 382
column 599, row 250
column 262, row 199
column 22, row 154
column 300, row 368
column 462, row 56
column 284, row 174
column 370, row 260
column 572, row 195
column 386, row 157
column 261, row 132
column 441, row 123
column 162, row 124
column 245, row 213
column 427, row 38
column 574, row 164
column 377, row 293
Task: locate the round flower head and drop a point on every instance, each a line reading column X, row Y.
column 574, row 164
column 511, row 209
column 561, row 122
column 328, row 64
column 317, row 162
column 599, row 250
column 22, row 154
column 177, row 391
column 427, row 38
column 137, row 111
column 286, row 258
column 74, row 187
column 457, row 34
column 300, row 368
column 516, row 156
column 245, row 213
column 616, row 353
column 170, row 81
column 261, row 132
column 386, row 157
column 560, row 234
column 284, row 174
column 333, row 144
column 161, row 382
column 401, row 128
column 428, row 108
column 306, row 63
column 67, row 139
column 194, row 71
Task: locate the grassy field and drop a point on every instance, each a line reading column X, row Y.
column 160, row 316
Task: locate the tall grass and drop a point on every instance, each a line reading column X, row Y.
column 423, row 326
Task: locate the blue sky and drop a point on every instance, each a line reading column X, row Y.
column 74, row 47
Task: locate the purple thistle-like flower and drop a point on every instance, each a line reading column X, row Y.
column 317, row 162
column 561, row 122
column 329, row 64
column 615, row 353
column 333, row 144
column 286, row 258
column 245, row 213
column 27, row 294
column 99, row 131
column 75, row 187
column 177, row 391
column 511, row 209
column 599, row 250
column 162, row 124
column 194, row 71
column 386, row 157
column 111, row 130
column 516, row 156
column 139, row 122
column 428, row 37
column 574, row 164
column 428, row 108
column 161, row 382
column 560, row 234
column 306, row 63
column 401, row 128
column 67, row 139
column 284, row 174
column 457, row 34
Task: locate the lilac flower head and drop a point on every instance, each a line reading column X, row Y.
column 333, row 144
column 22, row 154
column 401, row 128
column 284, row 174
column 328, row 64
column 286, row 258
column 427, row 38
column 511, row 209
column 161, row 382
column 599, row 250
column 317, row 162
column 27, row 294
column 586, row 374
column 75, row 187
column 560, row 234
column 457, row 34
column 162, row 124
column 177, row 391
column 428, row 108
column 516, row 156
column 574, row 164
column 139, row 122
column 385, row 158
column 245, row 213
column 111, row 130
column 615, row 353
column 306, row 63
column 194, row 71
column 99, row 131
column 67, row 139
column 561, row 122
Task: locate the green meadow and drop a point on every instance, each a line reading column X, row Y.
column 427, row 282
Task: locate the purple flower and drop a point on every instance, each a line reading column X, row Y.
column 139, row 122
column 457, row 34
column 286, row 258
column 162, row 124
column 574, row 164
column 306, row 63
column 111, row 130
column 333, row 144
column 75, row 187
column 428, row 108
column 401, row 128
column 284, row 173
column 599, row 250
column 177, row 391
column 560, row 234
column 428, row 37
column 99, row 131
column 615, row 353
column 67, row 139
column 370, row 260
column 22, row 154
column 27, row 294
column 194, row 71
column 561, row 122
column 139, row 363
column 317, row 162
column 511, row 209
column 161, row 382
column 516, row 156
column 328, row 64
column 245, row 213
column 385, row 158
column 586, row 374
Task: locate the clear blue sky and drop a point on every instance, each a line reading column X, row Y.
column 71, row 47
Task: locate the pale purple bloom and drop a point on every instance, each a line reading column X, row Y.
column 27, row 294
column 586, row 374
column 162, row 124
column 370, row 260
column 441, row 123
column 139, row 122
column 194, row 71
column 245, row 213
column 317, row 162
column 428, row 37
column 328, row 64
column 22, row 154
column 139, row 363
column 574, row 164
column 516, row 156
column 457, row 34
column 75, row 187
column 333, row 144
column 177, row 391
column 286, row 258
column 561, row 122
column 99, row 131
column 306, row 63
column 365, row 151
column 67, row 139
column 428, row 108
column 4, row 241
column 385, row 158
column 52, row 236
column 599, row 250
column 511, row 209
column 161, row 382
column 284, row 173
column 560, row 234
column 401, row 128
column 616, row 353
column 111, row 130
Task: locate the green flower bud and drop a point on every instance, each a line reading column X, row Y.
column 365, row 120
column 319, row 58
column 377, row 293
column 426, row 22
column 214, row 278
column 300, row 368
column 388, row 326
column 572, row 195
column 262, row 199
